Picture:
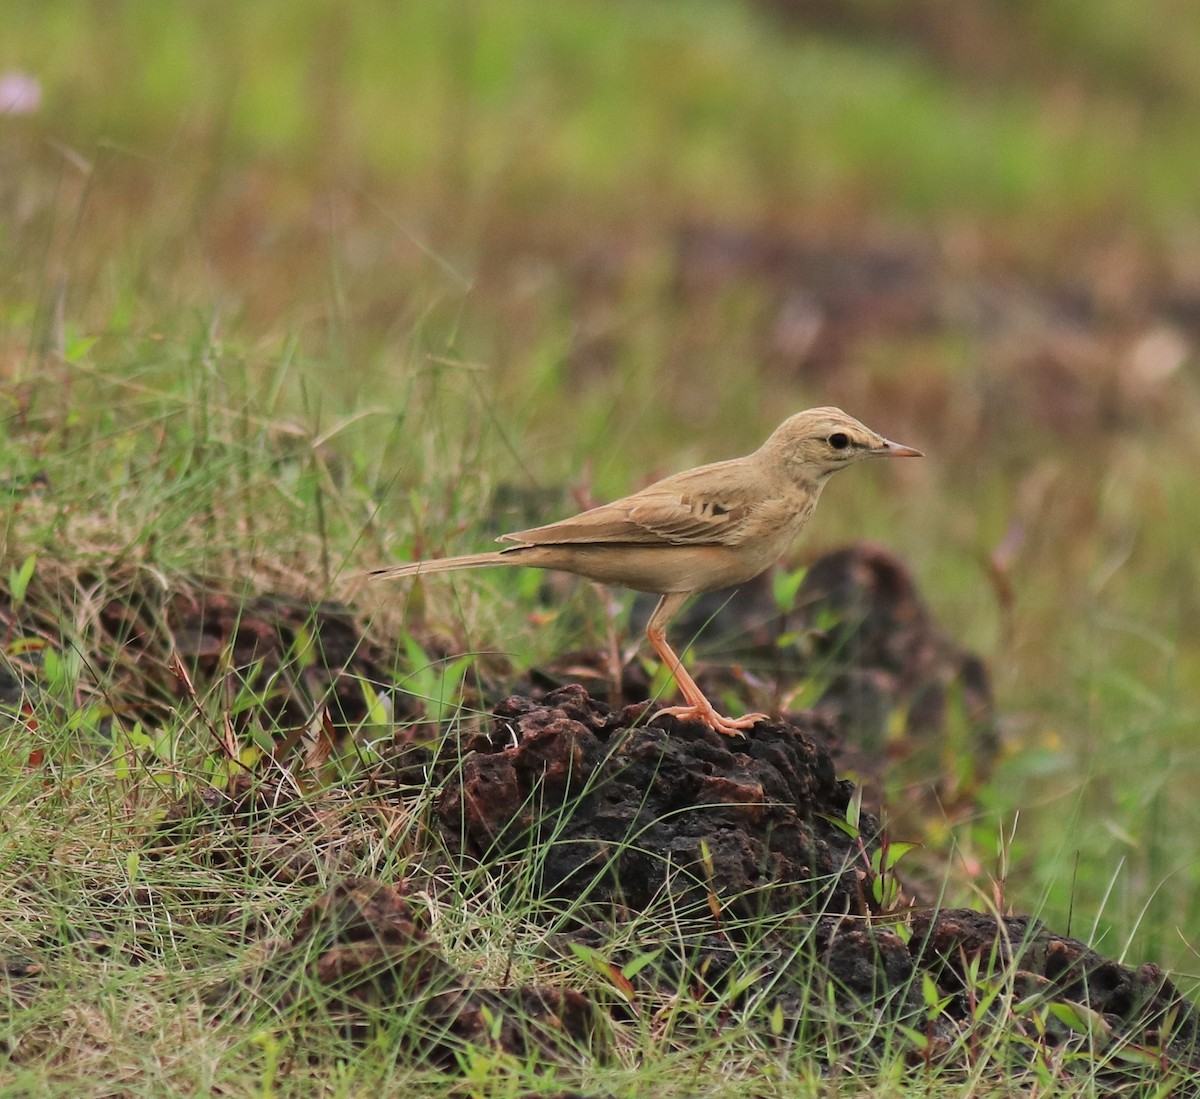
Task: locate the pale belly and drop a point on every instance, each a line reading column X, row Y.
column 657, row 569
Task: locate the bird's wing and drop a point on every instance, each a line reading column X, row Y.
column 706, row 506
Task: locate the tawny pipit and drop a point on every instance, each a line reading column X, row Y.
column 697, row 531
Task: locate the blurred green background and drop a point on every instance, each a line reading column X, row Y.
column 446, row 246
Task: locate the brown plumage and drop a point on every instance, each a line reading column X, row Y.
column 700, row 530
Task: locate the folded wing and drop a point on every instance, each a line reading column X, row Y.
column 682, row 510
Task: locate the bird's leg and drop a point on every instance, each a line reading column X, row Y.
column 697, row 707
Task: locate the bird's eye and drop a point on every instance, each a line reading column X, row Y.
column 839, row 440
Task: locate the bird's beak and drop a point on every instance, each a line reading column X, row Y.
column 895, row 450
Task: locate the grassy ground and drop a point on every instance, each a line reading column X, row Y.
column 293, row 290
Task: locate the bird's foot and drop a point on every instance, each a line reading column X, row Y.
column 704, row 713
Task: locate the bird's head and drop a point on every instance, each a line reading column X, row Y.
column 819, row 441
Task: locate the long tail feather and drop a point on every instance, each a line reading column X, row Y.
column 445, row 564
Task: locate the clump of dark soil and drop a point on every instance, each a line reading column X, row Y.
column 299, row 655
column 620, row 811
column 361, row 953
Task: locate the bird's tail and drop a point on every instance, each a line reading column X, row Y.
column 445, row 564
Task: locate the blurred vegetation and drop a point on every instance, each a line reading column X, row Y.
column 390, row 256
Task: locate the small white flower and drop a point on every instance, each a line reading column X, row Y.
column 20, row 93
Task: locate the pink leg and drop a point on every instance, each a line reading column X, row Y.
column 697, row 707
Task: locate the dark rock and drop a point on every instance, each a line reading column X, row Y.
column 304, row 658
column 621, row 812
column 1135, row 1004
column 361, row 953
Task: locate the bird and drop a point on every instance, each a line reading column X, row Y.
column 711, row 527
